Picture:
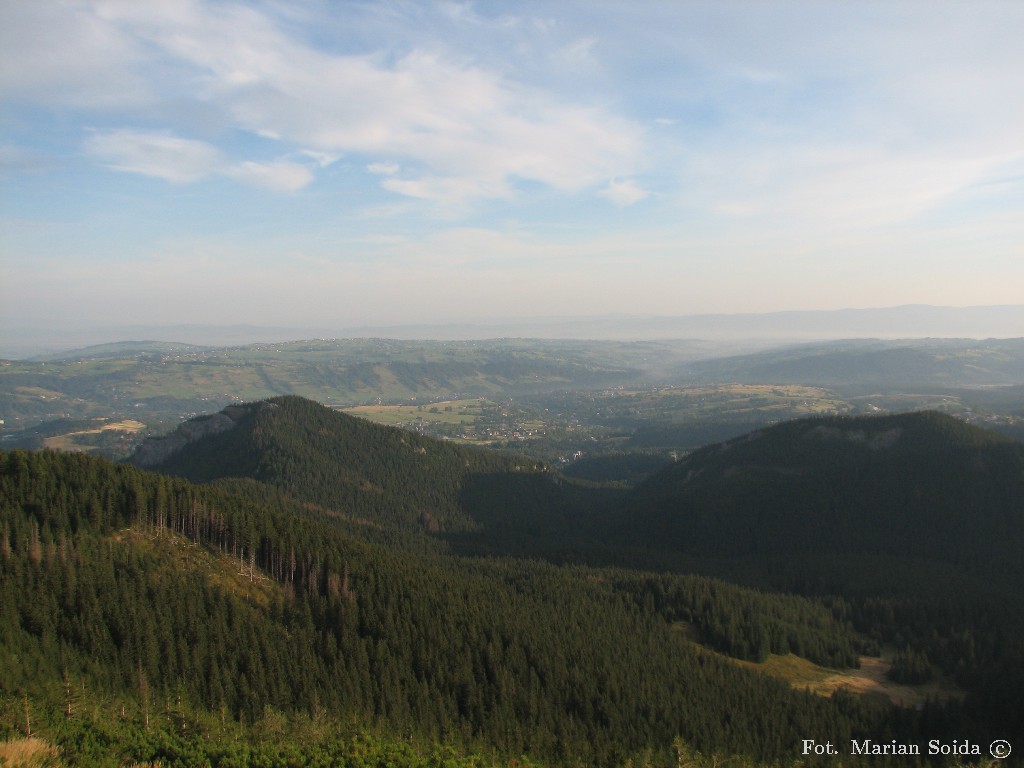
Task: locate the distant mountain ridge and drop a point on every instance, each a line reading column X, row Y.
column 914, row 320
column 860, row 363
column 907, row 321
column 162, row 383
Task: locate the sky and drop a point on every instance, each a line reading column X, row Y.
column 336, row 164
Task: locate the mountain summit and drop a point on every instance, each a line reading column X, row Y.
column 916, row 484
column 329, row 459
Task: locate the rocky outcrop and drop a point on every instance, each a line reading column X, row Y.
column 156, row 450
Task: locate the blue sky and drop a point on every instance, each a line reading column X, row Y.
column 335, row 164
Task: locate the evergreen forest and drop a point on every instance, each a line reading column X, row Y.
column 306, row 588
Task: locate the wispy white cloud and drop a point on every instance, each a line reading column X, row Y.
column 384, row 169
column 281, row 176
column 455, row 128
column 160, row 155
column 812, row 117
column 623, row 193
column 448, row 191
column 322, row 159
column 843, row 188
column 460, row 130
column 184, row 161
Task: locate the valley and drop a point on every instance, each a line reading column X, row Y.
column 557, row 401
column 576, row 561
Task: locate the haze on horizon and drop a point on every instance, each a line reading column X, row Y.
column 342, row 165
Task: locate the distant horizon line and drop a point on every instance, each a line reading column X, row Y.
column 890, row 322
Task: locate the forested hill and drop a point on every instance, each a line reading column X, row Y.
column 146, row 618
column 912, row 485
column 129, row 596
column 917, row 519
column 871, row 364
column 339, row 462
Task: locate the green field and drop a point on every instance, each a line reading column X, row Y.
column 459, row 412
column 79, row 440
column 869, row 679
column 476, row 421
column 681, row 403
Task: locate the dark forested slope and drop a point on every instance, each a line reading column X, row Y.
column 912, row 485
column 159, row 596
column 129, row 597
column 336, row 461
column 916, row 519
